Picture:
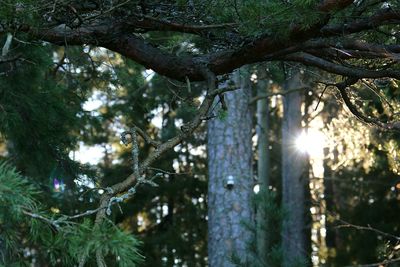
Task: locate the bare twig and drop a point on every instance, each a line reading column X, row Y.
column 256, row 98
column 167, row 172
column 346, row 224
column 40, row 217
column 142, row 133
column 377, row 264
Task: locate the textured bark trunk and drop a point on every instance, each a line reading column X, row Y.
column 293, row 176
column 262, row 165
column 230, row 156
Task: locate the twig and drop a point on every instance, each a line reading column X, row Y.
column 367, row 228
column 131, row 191
column 142, row 133
column 256, row 98
column 60, row 63
column 40, row 217
column 83, row 214
column 189, row 86
column 135, row 153
column 320, row 97
column 167, row 172
column 377, row 264
column 353, row 109
column 134, row 179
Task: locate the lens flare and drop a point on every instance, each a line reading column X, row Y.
column 311, row 142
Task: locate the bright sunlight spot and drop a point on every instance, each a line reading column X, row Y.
column 311, row 142
column 88, row 154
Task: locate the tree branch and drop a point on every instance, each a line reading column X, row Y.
column 114, row 35
column 333, row 5
column 256, row 98
column 382, row 17
column 354, row 72
column 133, row 180
column 354, row 110
column 346, row 224
column 377, row 264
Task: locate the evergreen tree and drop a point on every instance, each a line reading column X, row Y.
column 294, row 174
column 231, row 182
column 43, row 90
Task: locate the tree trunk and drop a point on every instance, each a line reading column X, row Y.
column 293, row 175
column 330, row 185
column 230, row 157
column 262, row 165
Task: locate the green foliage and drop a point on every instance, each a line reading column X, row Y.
column 268, row 204
column 11, row 184
column 44, row 120
column 222, row 114
column 65, row 244
column 170, row 236
column 255, row 16
column 37, row 113
column 16, row 195
column 19, row 11
column 85, row 239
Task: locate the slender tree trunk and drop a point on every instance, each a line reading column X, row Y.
column 293, row 176
column 329, row 184
column 262, row 165
column 230, row 157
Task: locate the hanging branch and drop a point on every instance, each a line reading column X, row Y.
column 354, row 110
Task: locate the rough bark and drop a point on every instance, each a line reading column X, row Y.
column 230, row 154
column 293, row 178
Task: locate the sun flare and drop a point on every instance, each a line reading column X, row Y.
column 311, row 142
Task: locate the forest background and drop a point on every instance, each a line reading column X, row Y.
column 199, row 133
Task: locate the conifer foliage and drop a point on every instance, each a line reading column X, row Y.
column 25, row 226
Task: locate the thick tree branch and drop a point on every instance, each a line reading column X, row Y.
column 350, row 48
column 382, row 17
column 311, row 60
column 113, row 35
column 149, row 23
